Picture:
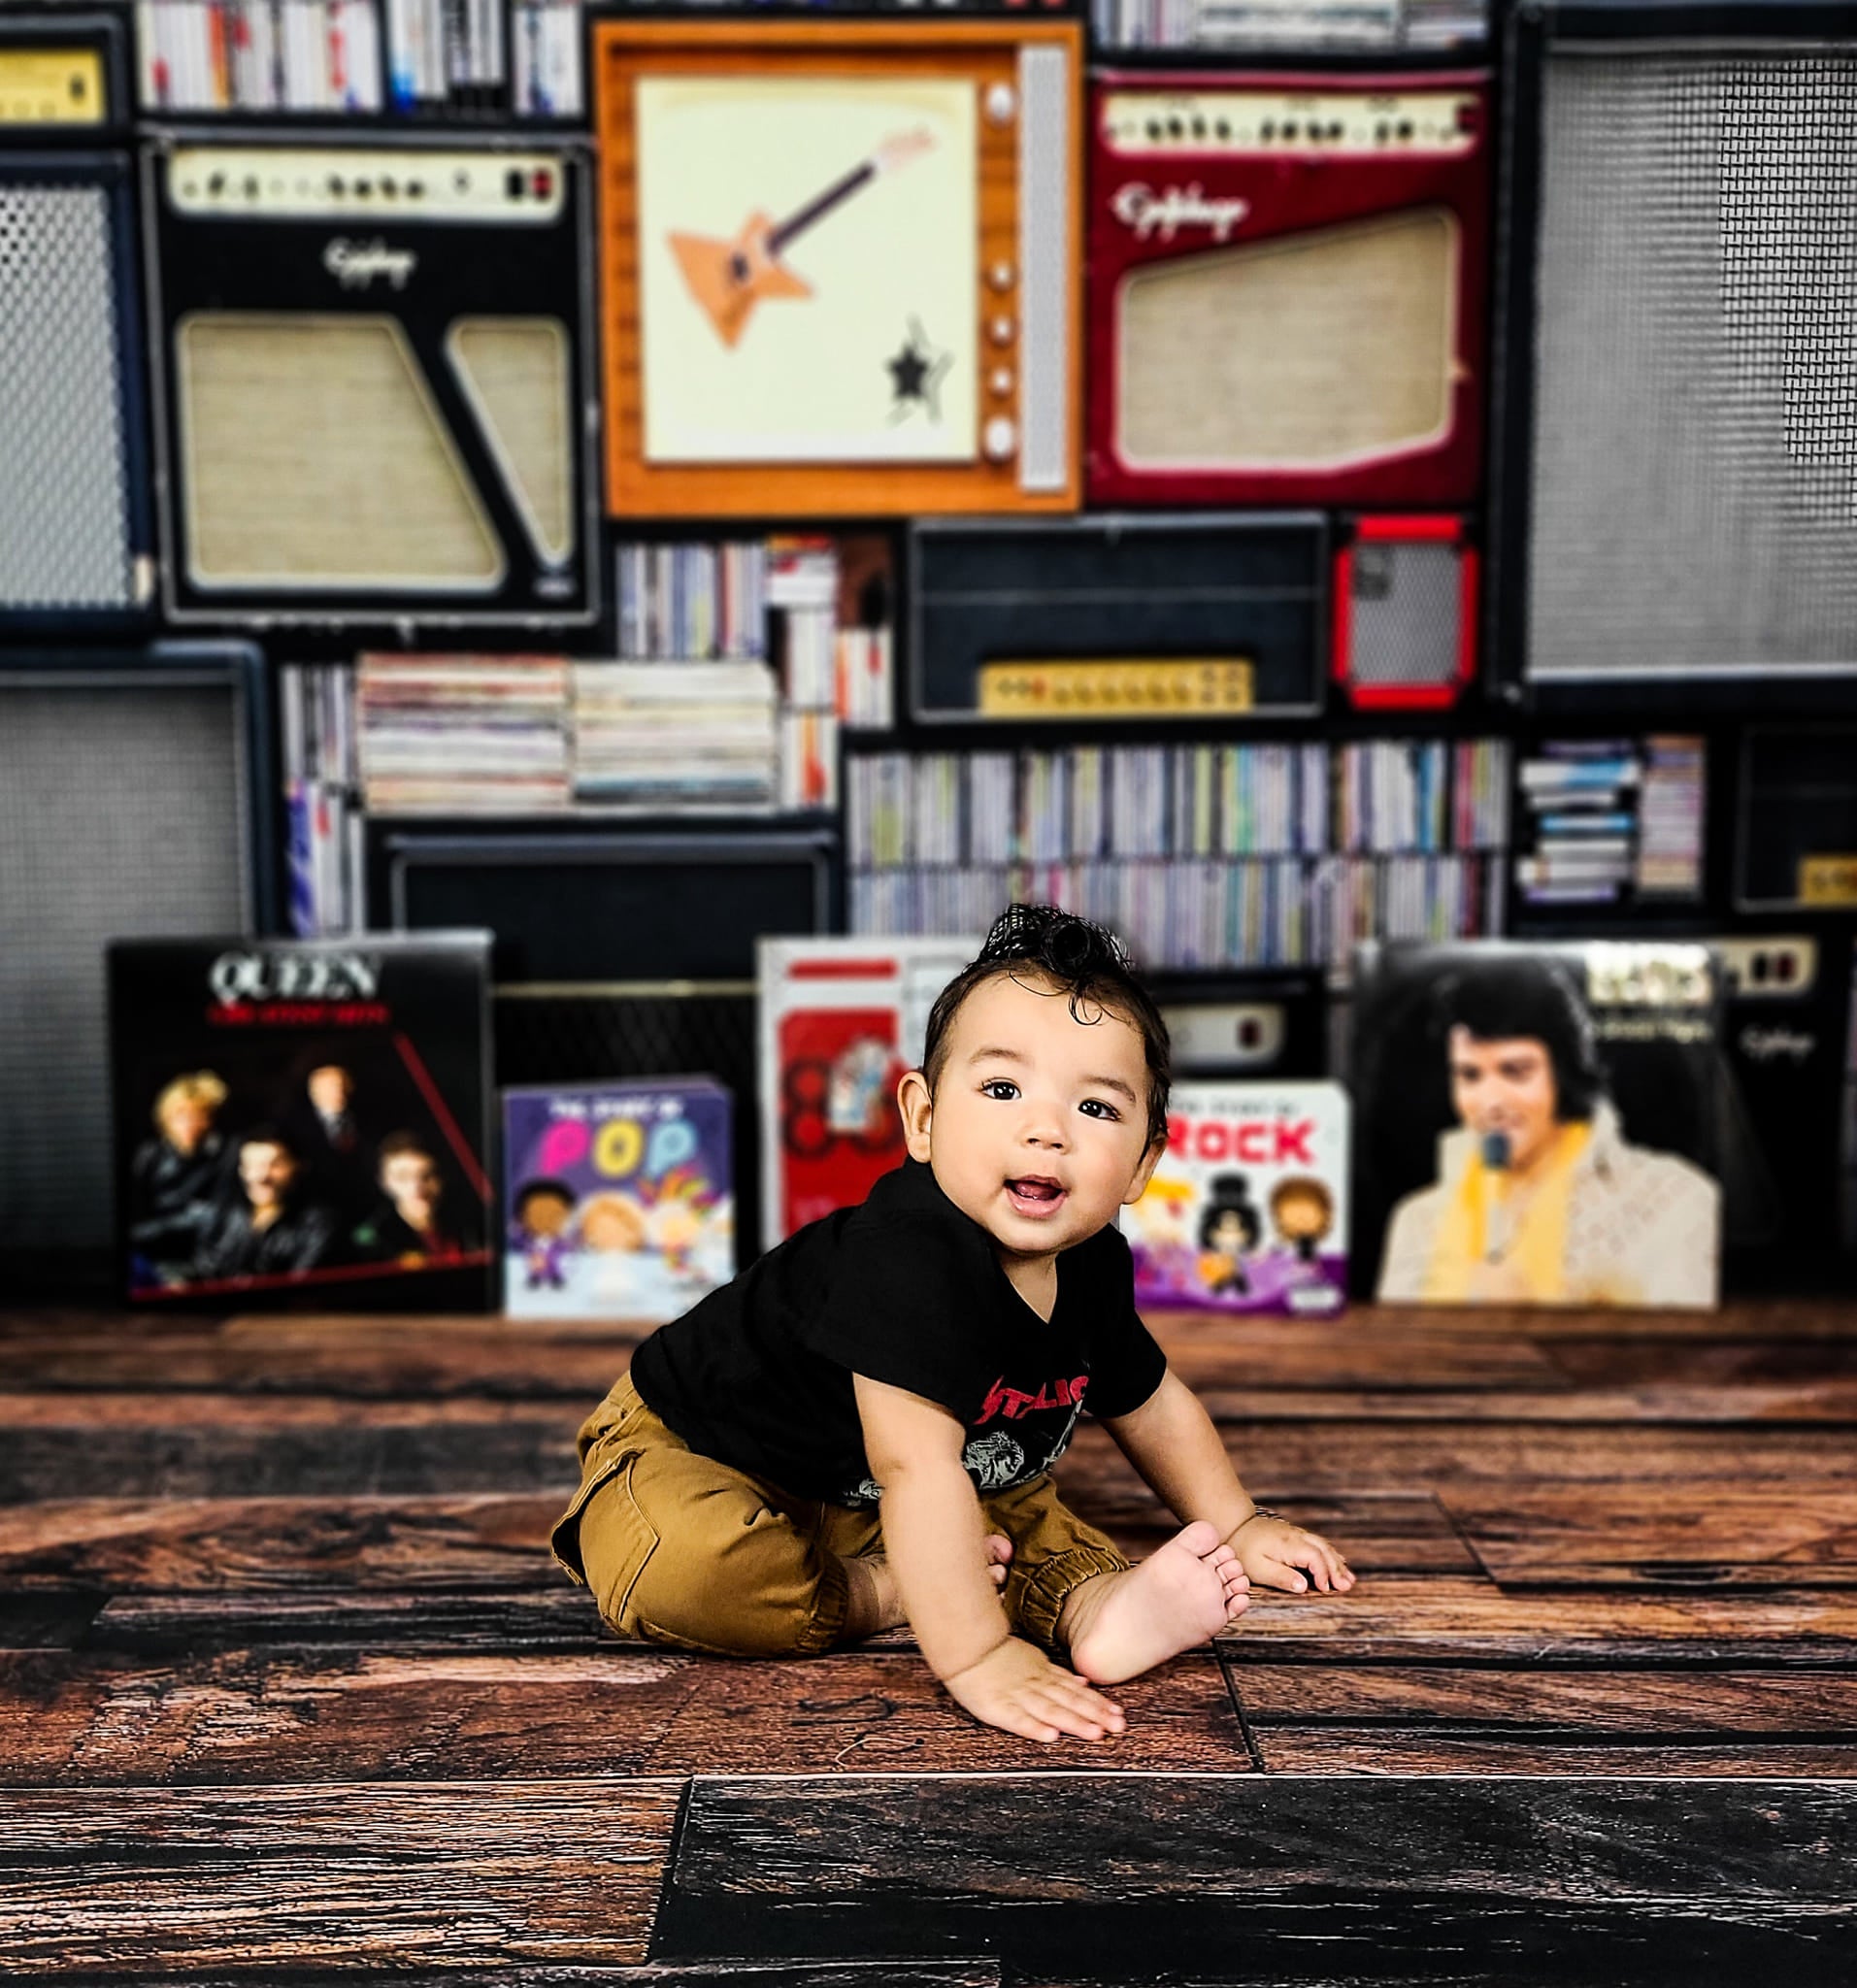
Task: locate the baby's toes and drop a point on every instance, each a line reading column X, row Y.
column 1223, row 1557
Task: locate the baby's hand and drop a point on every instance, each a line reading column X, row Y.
column 1277, row 1555
column 1017, row 1688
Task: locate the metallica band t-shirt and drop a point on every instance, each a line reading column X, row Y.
column 905, row 1289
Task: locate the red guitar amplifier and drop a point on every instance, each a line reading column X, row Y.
column 1285, row 288
column 1404, row 607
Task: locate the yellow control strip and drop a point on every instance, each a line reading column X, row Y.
column 51, row 86
column 1123, row 687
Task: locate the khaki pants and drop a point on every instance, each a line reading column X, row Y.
column 679, row 1549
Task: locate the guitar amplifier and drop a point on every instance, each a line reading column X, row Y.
column 1795, row 836
column 1675, row 463
column 136, row 798
column 1285, row 289
column 1111, row 619
column 1785, row 1022
column 1244, row 1026
column 377, row 387
column 76, row 520
column 1404, row 613
column 840, row 265
column 600, row 907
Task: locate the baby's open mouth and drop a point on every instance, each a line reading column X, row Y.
column 1034, row 1194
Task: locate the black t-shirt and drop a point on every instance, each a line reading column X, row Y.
column 905, row 1289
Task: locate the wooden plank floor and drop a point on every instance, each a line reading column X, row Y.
column 290, row 1693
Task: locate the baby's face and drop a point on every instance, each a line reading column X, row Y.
column 1038, row 1128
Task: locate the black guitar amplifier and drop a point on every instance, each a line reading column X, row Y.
column 1784, row 1027
column 375, row 386
column 1270, row 1024
column 136, row 801
column 77, row 528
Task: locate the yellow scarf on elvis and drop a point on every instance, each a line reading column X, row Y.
column 1538, row 1254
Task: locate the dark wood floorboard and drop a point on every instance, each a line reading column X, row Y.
column 148, row 1880
column 292, row 1696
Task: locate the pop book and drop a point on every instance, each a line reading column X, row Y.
column 617, row 1201
column 1247, row 1210
column 304, row 1121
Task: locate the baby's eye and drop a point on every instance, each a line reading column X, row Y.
column 1001, row 1088
column 1099, row 1107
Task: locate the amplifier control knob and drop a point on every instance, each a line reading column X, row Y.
column 1001, row 380
column 1001, row 104
column 1001, row 331
column 999, row 440
column 1001, row 275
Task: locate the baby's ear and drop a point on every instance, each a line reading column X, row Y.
column 1144, row 1172
column 916, row 1102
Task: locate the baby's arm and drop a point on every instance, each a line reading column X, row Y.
column 935, row 1537
column 1171, row 1440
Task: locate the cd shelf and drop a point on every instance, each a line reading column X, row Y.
column 1206, row 856
column 481, row 61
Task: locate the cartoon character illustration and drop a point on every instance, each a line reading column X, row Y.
column 676, row 1210
column 1162, row 1221
column 1229, row 1230
column 1302, row 1210
column 728, row 279
column 543, row 1209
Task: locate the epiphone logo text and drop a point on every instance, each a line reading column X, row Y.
column 1163, row 214
column 354, row 265
column 236, row 976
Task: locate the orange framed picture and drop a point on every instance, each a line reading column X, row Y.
column 840, row 266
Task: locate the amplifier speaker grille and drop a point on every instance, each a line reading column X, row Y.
column 517, row 372
column 316, row 457
column 122, row 813
column 1695, row 425
column 1304, row 352
column 1406, row 609
column 64, row 504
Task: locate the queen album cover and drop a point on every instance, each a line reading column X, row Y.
column 617, row 1199
column 303, row 1122
column 1247, row 1210
column 1535, row 1124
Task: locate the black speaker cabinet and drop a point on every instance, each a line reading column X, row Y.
column 77, row 531
column 136, row 793
column 1674, row 479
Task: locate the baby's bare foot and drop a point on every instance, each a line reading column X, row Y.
column 876, row 1603
column 1120, row 1625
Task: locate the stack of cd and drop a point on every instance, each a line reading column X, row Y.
column 699, row 734
column 463, row 734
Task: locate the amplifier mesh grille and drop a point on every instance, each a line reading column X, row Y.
column 517, row 371
column 317, row 456
column 1305, row 353
column 1407, row 616
column 64, row 540
column 1694, row 428
column 123, row 815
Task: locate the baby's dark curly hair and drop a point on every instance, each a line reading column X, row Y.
column 1039, row 942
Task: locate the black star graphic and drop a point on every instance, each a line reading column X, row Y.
column 916, row 374
column 910, row 370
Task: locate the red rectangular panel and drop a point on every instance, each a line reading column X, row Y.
column 1285, row 288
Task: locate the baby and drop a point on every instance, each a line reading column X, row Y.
column 859, row 1431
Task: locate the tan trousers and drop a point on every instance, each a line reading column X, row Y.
column 679, row 1549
